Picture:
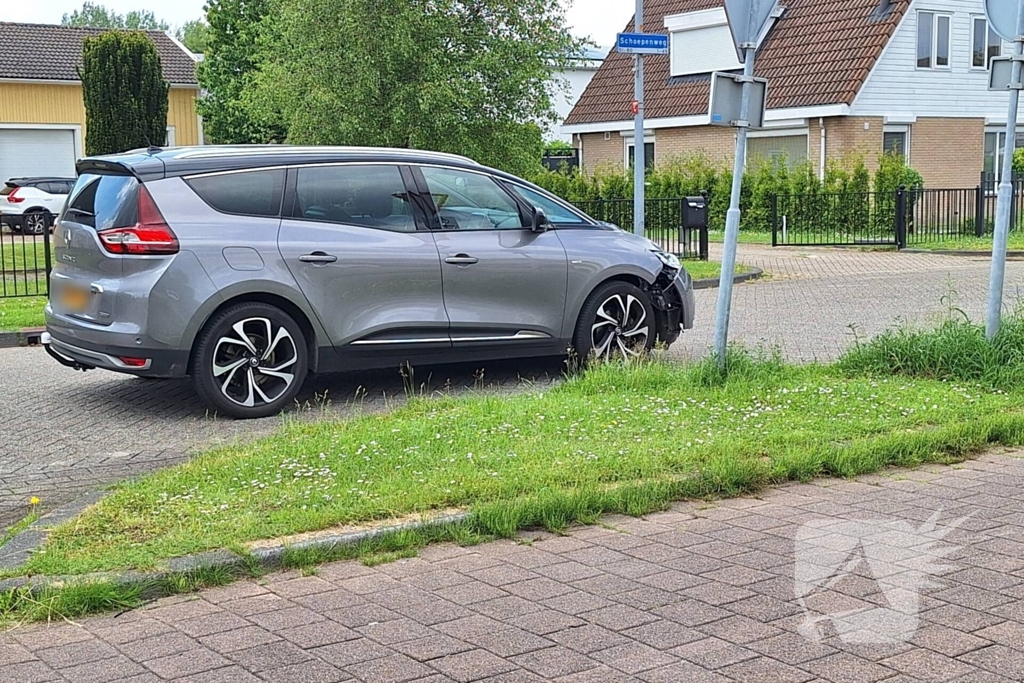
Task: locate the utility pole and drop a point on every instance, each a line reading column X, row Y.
column 639, row 149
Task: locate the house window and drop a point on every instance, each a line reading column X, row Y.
column 933, row 40
column 985, row 44
column 896, row 140
column 995, row 141
column 648, row 154
column 780, row 150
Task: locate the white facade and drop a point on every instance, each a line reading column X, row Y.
column 901, row 91
column 569, row 85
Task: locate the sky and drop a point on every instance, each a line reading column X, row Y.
column 599, row 20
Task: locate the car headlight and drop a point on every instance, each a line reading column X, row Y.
column 670, row 260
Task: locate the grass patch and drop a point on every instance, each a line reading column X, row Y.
column 616, row 439
column 21, row 255
column 16, row 528
column 1014, row 243
column 746, row 237
column 19, row 312
column 702, row 270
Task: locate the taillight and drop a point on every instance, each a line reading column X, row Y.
column 150, row 236
column 13, row 197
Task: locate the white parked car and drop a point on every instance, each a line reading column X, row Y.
column 29, row 204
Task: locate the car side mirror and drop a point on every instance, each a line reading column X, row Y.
column 540, row 221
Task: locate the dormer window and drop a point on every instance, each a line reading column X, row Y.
column 933, row 39
column 701, row 43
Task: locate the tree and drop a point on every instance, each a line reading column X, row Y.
column 466, row 76
column 228, row 64
column 93, row 15
column 125, row 93
column 195, row 35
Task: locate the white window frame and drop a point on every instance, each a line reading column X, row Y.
column 975, row 18
column 628, row 142
column 894, row 128
column 1000, row 134
column 936, row 15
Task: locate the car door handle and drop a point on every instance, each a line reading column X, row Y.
column 318, row 257
column 462, row 260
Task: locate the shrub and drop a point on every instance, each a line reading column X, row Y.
column 124, row 91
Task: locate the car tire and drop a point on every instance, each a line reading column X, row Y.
column 250, row 361
column 35, row 222
column 617, row 321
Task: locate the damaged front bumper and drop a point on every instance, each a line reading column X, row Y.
column 672, row 296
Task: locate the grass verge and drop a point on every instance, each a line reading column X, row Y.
column 19, row 255
column 1015, row 243
column 16, row 528
column 702, row 270
column 746, row 237
column 19, row 312
column 623, row 439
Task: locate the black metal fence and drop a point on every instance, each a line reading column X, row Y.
column 663, row 221
column 902, row 218
column 24, row 264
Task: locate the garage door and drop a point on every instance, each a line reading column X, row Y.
column 27, row 153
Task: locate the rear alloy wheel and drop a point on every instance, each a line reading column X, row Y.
column 251, row 361
column 35, row 222
column 617, row 321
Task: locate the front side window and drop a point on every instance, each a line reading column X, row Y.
column 367, row 196
column 471, row 201
column 933, row 40
column 556, row 212
column 251, row 193
column 985, row 44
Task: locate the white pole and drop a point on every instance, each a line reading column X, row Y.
column 1005, row 198
column 732, row 220
column 639, row 149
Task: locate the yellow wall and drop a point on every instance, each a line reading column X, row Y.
column 46, row 103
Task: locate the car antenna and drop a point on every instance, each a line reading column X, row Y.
column 150, row 147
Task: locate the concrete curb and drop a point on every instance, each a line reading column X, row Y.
column 961, row 252
column 29, row 336
column 712, row 282
column 153, row 584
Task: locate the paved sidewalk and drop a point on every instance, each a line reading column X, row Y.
column 693, row 595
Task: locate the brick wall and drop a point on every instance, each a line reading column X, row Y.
column 849, row 136
column 948, row 153
column 599, row 153
column 717, row 142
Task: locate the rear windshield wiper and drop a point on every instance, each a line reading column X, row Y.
column 81, row 212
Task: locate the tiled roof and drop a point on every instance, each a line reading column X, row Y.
column 48, row 52
column 818, row 53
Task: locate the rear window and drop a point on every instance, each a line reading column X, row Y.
column 104, row 201
column 249, row 193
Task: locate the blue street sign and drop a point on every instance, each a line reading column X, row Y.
column 642, row 43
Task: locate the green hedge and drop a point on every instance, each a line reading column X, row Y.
column 689, row 175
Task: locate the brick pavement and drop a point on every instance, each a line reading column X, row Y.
column 64, row 432
column 697, row 594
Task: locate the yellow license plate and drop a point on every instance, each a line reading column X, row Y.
column 73, row 299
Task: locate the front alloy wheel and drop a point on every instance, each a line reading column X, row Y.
column 250, row 361
column 617, row 321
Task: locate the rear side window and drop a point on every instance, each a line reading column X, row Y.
column 368, row 196
column 250, row 193
column 104, row 201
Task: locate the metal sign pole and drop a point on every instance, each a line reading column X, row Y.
column 1003, row 205
column 732, row 220
column 639, row 149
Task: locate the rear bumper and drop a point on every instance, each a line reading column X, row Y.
column 81, row 356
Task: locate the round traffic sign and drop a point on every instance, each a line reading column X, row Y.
column 1002, row 17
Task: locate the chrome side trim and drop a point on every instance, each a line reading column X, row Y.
column 522, row 335
column 384, row 342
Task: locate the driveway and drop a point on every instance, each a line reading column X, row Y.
column 694, row 595
column 62, row 432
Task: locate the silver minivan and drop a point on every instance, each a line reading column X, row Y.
column 248, row 267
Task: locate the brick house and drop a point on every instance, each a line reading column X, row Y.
column 846, row 77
